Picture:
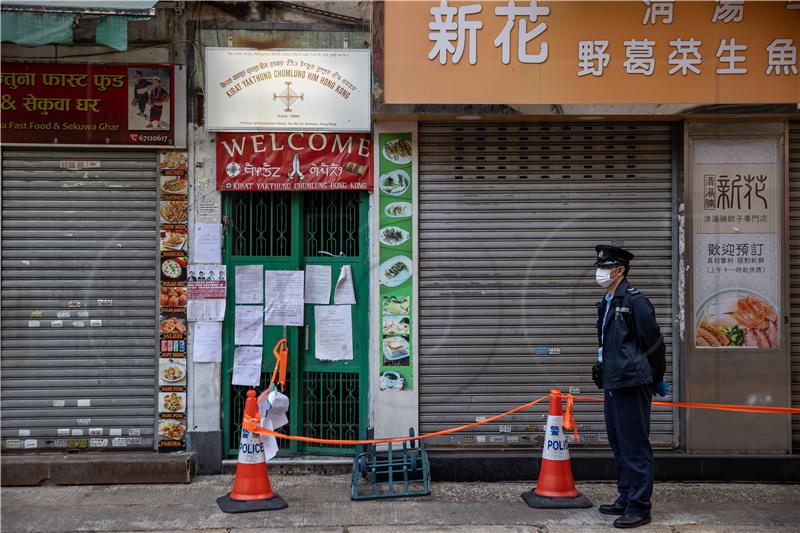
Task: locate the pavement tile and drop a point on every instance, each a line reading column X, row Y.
column 321, row 504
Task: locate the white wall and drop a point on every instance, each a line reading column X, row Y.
column 204, row 391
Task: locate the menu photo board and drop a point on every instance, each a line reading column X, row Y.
column 395, row 228
column 173, row 301
column 737, row 189
column 88, row 103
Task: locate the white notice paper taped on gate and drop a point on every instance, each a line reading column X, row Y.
column 249, row 284
column 283, row 297
column 248, row 327
column 333, row 333
column 247, row 365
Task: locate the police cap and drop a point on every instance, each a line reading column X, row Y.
column 611, row 256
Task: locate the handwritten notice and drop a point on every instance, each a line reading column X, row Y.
column 249, row 284
column 284, row 298
column 333, row 333
column 247, row 365
column 318, row 284
column 248, row 330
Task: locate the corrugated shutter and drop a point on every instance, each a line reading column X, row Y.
column 509, row 215
column 794, row 270
column 79, row 330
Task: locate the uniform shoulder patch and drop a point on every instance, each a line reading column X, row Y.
column 633, row 290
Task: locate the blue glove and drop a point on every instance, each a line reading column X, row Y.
column 661, row 388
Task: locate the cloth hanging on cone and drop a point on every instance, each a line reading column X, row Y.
column 272, row 409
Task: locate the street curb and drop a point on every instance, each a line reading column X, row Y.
column 97, row 468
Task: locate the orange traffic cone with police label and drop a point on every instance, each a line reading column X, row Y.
column 556, row 487
column 251, row 489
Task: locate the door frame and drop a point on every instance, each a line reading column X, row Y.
column 295, row 338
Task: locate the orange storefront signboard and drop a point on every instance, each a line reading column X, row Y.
column 637, row 52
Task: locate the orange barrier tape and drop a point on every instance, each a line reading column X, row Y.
column 715, row 406
column 251, row 424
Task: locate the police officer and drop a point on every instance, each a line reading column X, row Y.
column 630, row 369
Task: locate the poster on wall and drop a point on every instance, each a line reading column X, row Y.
column 173, row 301
column 737, row 248
column 395, row 229
column 88, row 103
column 206, row 286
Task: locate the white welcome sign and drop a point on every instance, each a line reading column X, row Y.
column 287, row 90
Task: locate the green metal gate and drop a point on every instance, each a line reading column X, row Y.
column 287, row 231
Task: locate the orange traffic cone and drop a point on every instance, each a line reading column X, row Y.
column 556, row 487
column 251, row 489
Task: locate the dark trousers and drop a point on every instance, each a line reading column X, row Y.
column 627, row 413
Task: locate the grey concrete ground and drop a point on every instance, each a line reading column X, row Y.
column 322, row 504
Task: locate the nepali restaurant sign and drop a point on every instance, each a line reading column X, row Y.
column 736, row 199
column 293, row 161
column 636, row 52
column 76, row 103
column 288, row 90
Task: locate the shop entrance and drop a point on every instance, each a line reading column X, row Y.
column 289, row 231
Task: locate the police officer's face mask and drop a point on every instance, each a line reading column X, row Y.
column 603, row 277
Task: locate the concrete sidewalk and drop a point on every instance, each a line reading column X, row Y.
column 322, row 504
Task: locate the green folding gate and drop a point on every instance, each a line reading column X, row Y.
column 287, row 231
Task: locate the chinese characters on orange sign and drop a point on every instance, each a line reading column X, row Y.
column 532, row 49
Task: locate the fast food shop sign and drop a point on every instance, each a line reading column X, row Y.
column 76, row 103
column 293, row 161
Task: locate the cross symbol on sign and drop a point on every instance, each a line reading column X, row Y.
column 288, row 96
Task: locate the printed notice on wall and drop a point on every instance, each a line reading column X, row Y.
column 283, row 297
column 207, row 342
column 207, row 243
column 206, row 288
column 333, row 332
column 737, row 245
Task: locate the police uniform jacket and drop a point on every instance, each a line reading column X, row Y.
column 633, row 347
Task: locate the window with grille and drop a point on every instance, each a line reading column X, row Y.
column 331, row 223
column 261, row 224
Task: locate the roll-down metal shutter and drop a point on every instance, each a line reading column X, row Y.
column 79, row 333
column 509, row 215
column 794, row 270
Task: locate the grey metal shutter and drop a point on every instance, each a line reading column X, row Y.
column 508, row 218
column 79, row 329
column 794, row 270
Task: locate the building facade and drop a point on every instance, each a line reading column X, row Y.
column 434, row 177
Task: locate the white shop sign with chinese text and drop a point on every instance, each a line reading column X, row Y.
column 737, row 189
column 287, row 90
